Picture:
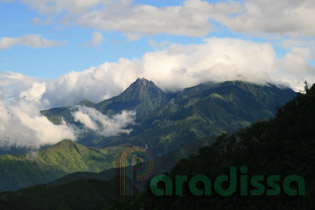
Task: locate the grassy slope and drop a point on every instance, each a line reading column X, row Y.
column 66, row 157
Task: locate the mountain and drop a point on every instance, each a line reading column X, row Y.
column 167, row 121
column 20, row 171
column 204, row 110
column 282, row 146
column 142, row 96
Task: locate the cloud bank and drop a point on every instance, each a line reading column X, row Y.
column 175, row 67
column 180, row 66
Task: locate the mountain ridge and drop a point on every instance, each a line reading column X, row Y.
column 170, row 120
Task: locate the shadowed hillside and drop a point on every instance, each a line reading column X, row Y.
column 280, row 146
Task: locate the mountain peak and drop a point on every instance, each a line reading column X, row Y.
column 143, row 82
column 141, row 89
column 64, row 144
column 142, row 96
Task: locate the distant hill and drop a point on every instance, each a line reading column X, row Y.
column 162, row 164
column 69, row 161
column 20, row 171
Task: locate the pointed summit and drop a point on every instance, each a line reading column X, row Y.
column 140, row 89
column 143, row 81
column 143, row 96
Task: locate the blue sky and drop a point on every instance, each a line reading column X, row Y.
column 17, row 19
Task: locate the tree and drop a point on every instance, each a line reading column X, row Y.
column 306, row 88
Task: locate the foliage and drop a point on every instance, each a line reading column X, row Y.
column 19, row 171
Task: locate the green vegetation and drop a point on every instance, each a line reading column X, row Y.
column 162, row 164
column 86, row 190
column 20, row 171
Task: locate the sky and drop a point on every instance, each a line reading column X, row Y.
column 59, row 52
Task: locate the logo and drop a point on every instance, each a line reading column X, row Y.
column 224, row 185
column 127, row 161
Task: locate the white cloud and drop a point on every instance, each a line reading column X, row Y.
column 102, row 124
column 34, row 94
column 191, row 18
column 175, row 67
column 96, row 39
column 21, row 125
column 281, row 17
column 31, row 40
column 58, row 6
column 158, row 45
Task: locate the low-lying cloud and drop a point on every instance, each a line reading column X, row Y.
column 102, row 124
column 21, row 125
